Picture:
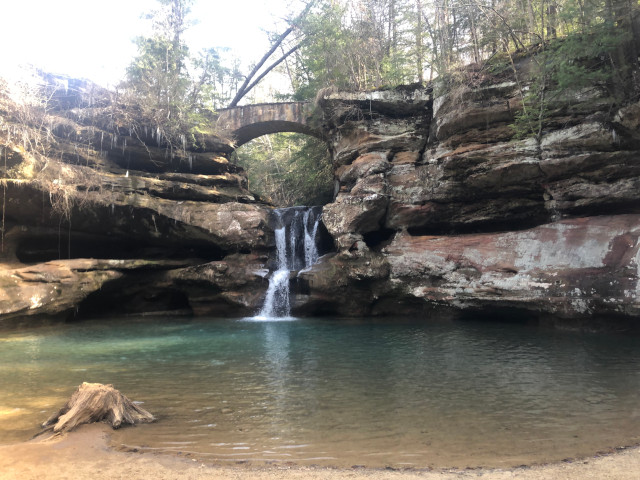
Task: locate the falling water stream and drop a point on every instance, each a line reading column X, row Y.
column 296, row 249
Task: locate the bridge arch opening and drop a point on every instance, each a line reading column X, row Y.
column 247, row 133
column 288, row 168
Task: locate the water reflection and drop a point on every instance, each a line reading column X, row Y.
column 277, row 371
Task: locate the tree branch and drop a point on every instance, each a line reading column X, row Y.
column 242, row 90
column 269, row 68
column 247, row 85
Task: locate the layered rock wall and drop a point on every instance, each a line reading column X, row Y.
column 99, row 217
column 439, row 204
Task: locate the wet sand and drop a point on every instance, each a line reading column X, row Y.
column 85, row 454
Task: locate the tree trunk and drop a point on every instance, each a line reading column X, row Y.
column 625, row 57
column 531, row 22
column 244, row 89
column 474, row 35
column 583, row 22
column 392, row 29
column 434, row 42
column 552, row 20
column 419, row 51
column 95, row 402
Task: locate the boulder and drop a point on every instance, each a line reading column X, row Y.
column 234, row 285
column 347, row 284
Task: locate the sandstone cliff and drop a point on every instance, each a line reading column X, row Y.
column 439, row 204
column 100, row 218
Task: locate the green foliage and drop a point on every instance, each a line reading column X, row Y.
column 565, row 68
column 358, row 45
column 288, row 169
column 158, row 83
column 170, row 90
column 322, row 59
column 216, row 78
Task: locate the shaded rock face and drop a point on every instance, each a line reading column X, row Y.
column 439, row 205
column 232, row 286
column 60, row 286
column 52, row 287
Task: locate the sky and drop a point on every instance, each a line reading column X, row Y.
column 93, row 39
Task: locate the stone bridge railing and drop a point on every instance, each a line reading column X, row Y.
column 251, row 121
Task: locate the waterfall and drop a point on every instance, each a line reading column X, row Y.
column 296, row 249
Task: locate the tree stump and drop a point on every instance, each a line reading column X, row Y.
column 95, row 402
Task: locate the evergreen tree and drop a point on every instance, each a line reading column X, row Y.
column 170, row 90
column 158, row 82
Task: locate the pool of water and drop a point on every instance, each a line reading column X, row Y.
column 337, row 392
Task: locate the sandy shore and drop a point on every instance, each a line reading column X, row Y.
column 85, row 454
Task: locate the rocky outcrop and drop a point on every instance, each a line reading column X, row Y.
column 573, row 270
column 440, row 204
column 367, row 132
column 234, row 285
column 99, row 217
column 569, row 268
column 60, row 286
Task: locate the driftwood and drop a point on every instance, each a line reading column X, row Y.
column 95, row 402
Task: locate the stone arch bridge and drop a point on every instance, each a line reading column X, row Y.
column 251, row 121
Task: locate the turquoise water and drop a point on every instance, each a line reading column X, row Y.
column 337, row 392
